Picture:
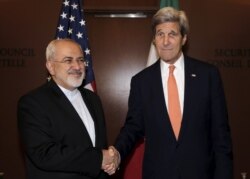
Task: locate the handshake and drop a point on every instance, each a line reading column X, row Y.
column 111, row 160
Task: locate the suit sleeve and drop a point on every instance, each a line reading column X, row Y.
column 46, row 150
column 133, row 128
column 221, row 137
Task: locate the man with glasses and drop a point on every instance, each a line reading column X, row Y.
column 62, row 126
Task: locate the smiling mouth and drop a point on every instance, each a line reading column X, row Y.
column 76, row 74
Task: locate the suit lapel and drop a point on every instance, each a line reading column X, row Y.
column 159, row 100
column 68, row 107
column 89, row 105
column 191, row 78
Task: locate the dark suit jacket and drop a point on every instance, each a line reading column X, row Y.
column 56, row 142
column 203, row 149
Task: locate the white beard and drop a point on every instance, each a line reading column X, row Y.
column 75, row 82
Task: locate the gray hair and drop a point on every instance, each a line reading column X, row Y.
column 51, row 48
column 169, row 14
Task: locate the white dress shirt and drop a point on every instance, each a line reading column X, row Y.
column 76, row 100
column 179, row 77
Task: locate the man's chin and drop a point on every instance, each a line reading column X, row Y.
column 76, row 82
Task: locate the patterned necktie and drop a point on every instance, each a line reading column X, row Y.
column 174, row 102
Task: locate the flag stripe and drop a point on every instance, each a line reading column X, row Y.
column 172, row 3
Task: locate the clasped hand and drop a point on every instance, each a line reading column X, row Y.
column 111, row 160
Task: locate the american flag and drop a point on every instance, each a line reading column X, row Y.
column 72, row 25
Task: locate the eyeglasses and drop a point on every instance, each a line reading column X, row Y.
column 70, row 61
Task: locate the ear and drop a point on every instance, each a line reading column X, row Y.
column 50, row 67
column 184, row 39
column 153, row 41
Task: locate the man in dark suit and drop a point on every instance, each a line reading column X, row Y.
column 196, row 144
column 62, row 127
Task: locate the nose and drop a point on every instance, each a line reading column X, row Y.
column 165, row 40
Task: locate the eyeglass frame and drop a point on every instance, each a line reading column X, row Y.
column 69, row 61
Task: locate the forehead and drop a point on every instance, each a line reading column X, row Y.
column 172, row 26
column 68, row 48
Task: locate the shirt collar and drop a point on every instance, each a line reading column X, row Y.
column 179, row 64
column 70, row 94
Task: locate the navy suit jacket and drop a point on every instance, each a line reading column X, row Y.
column 204, row 148
column 55, row 140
